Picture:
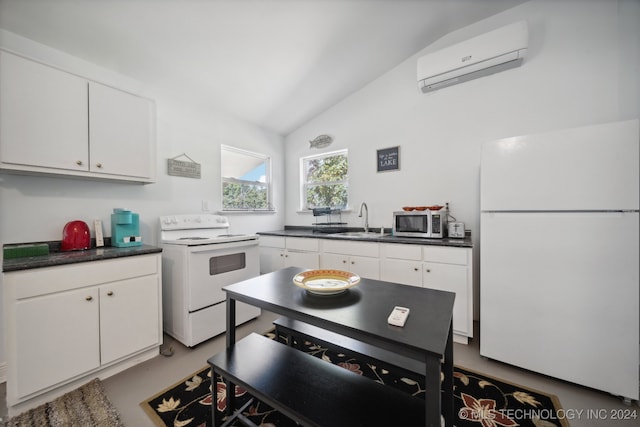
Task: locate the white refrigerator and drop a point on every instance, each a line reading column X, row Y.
column 559, row 251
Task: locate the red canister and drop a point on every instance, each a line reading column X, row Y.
column 75, row 236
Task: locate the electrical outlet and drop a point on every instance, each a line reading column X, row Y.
column 205, row 206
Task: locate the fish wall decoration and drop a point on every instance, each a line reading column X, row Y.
column 321, row 141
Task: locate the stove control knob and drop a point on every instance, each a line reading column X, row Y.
column 198, row 219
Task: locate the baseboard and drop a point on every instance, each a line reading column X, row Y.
column 3, row 372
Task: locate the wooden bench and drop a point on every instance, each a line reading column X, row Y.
column 308, row 390
column 295, row 332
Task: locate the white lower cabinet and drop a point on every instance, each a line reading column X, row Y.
column 57, row 338
column 362, row 266
column 128, row 317
column 401, row 271
column 437, row 267
column 302, row 259
column 278, row 252
column 361, row 258
column 271, row 258
column 453, row 278
column 68, row 322
column 443, row 268
column 401, row 264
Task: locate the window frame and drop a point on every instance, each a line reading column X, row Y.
column 268, row 184
column 304, row 183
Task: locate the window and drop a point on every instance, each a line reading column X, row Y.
column 324, row 180
column 246, row 180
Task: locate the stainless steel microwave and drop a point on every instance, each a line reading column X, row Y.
column 427, row 224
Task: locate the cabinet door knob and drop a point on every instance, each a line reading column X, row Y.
column 99, row 165
column 344, row 261
column 353, row 262
column 89, row 298
column 110, row 293
column 428, row 270
column 415, row 268
column 79, row 162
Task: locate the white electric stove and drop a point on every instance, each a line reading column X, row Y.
column 199, row 258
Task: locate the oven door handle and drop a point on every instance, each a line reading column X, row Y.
column 222, row 246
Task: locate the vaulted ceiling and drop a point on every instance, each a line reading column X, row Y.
column 275, row 63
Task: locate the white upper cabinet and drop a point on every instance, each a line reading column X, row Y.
column 119, row 132
column 43, row 116
column 54, row 122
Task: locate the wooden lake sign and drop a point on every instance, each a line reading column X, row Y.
column 187, row 169
column 389, row 159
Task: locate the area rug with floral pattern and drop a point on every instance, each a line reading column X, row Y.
column 480, row 400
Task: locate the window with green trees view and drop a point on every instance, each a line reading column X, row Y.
column 246, row 182
column 325, row 180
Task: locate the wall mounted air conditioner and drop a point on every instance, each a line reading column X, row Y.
column 485, row 54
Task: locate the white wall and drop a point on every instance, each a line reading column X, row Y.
column 582, row 68
column 36, row 208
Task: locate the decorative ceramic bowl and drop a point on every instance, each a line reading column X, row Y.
column 326, row 282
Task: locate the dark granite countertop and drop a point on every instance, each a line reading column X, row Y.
column 295, row 231
column 56, row 257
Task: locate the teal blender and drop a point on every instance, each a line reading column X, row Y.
column 125, row 228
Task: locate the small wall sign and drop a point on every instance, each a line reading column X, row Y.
column 187, row 169
column 388, row 159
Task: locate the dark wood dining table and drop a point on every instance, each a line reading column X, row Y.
column 361, row 313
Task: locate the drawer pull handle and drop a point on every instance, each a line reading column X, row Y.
column 79, row 162
column 99, row 165
column 89, row 298
column 110, row 293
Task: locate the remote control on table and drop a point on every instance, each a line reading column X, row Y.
column 398, row 316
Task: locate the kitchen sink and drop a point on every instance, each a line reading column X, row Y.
column 359, row 234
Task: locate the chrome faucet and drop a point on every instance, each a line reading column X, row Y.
column 366, row 216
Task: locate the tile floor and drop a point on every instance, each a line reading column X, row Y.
column 583, row 406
